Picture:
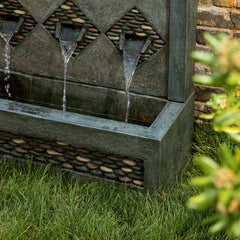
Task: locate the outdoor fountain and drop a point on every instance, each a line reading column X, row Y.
column 82, row 69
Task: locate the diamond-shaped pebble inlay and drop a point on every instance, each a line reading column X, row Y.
column 133, row 25
column 68, row 15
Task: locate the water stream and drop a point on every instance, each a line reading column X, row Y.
column 7, row 49
column 67, row 51
column 7, row 29
column 68, row 43
column 131, row 54
column 130, row 61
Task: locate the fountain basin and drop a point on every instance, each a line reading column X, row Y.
column 156, row 149
column 82, row 98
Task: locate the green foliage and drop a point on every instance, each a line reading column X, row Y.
column 221, row 182
column 225, row 65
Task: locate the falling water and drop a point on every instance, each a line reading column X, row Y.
column 7, row 29
column 130, row 61
column 67, row 48
column 68, row 37
column 131, row 53
column 6, row 38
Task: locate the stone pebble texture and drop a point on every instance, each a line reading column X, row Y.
column 213, row 16
column 65, row 157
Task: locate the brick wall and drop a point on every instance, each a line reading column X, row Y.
column 214, row 16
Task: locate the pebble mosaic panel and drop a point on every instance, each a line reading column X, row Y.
column 14, row 9
column 69, row 13
column 135, row 24
column 79, row 160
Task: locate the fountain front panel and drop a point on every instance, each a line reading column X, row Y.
column 93, row 40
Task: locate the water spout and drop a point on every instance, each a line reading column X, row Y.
column 7, row 29
column 132, row 50
column 68, row 42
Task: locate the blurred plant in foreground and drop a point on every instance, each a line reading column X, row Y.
column 221, row 182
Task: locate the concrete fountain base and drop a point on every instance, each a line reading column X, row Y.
column 92, row 147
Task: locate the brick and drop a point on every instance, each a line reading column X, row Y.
column 201, row 69
column 205, row 1
column 237, row 35
column 214, row 17
column 235, row 16
column 204, row 48
column 204, row 93
column 201, row 108
column 226, row 3
column 202, row 29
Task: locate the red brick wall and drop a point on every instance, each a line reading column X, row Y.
column 214, row 16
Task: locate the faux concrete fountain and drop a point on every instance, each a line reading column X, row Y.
column 116, row 53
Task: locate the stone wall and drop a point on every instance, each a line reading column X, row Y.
column 214, row 16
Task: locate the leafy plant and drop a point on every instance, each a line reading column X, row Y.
column 221, row 182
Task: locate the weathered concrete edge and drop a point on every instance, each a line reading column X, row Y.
column 182, row 43
column 173, row 151
column 92, row 132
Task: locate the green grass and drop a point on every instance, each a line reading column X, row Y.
column 39, row 204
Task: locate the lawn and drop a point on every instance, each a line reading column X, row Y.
column 39, row 204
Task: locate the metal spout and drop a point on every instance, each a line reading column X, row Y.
column 69, row 33
column 133, row 44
